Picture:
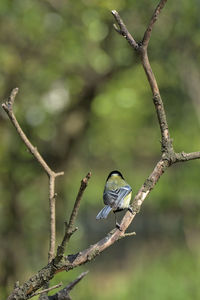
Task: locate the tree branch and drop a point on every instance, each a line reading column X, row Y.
column 147, row 34
column 70, row 262
column 64, row 293
column 8, row 107
column 48, row 290
column 141, row 48
column 182, row 156
column 69, row 229
column 168, row 157
column 123, row 30
column 168, row 152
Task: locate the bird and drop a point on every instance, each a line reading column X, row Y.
column 116, row 196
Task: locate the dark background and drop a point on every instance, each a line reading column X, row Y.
column 84, row 101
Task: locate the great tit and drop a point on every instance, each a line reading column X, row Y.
column 117, row 195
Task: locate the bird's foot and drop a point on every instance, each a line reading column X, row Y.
column 130, row 209
column 118, row 226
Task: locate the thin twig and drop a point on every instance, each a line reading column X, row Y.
column 69, row 228
column 64, row 293
column 123, row 30
column 182, row 156
column 147, row 34
column 48, row 290
column 72, row 284
column 8, row 107
column 129, row 234
column 159, row 106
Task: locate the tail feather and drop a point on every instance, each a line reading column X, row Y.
column 104, row 212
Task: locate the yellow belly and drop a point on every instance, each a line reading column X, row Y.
column 126, row 201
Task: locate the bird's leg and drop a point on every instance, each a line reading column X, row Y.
column 130, row 209
column 116, row 223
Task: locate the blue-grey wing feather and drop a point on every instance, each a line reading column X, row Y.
column 124, row 191
column 109, row 197
column 104, row 212
column 114, row 198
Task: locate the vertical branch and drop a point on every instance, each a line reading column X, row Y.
column 141, row 49
column 159, row 106
column 52, row 207
column 8, row 107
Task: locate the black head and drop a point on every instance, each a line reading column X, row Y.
column 115, row 172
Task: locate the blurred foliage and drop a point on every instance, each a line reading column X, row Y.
column 85, row 102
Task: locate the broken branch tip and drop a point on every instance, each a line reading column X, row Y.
column 114, row 12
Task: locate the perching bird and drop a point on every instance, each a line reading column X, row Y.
column 117, row 195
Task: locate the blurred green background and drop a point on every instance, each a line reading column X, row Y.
column 84, row 101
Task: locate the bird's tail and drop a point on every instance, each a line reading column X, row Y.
column 104, row 212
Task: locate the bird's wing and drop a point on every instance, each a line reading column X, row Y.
column 114, row 198
column 124, row 191
column 110, row 197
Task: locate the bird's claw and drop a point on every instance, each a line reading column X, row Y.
column 118, row 226
column 130, row 209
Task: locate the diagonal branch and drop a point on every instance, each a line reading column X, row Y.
column 147, row 34
column 70, row 229
column 48, row 290
column 123, row 30
column 8, row 107
column 64, row 293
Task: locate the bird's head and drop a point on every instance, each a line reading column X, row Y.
column 114, row 174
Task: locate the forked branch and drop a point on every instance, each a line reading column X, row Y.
column 168, row 152
column 141, row 49
column 8, row 107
